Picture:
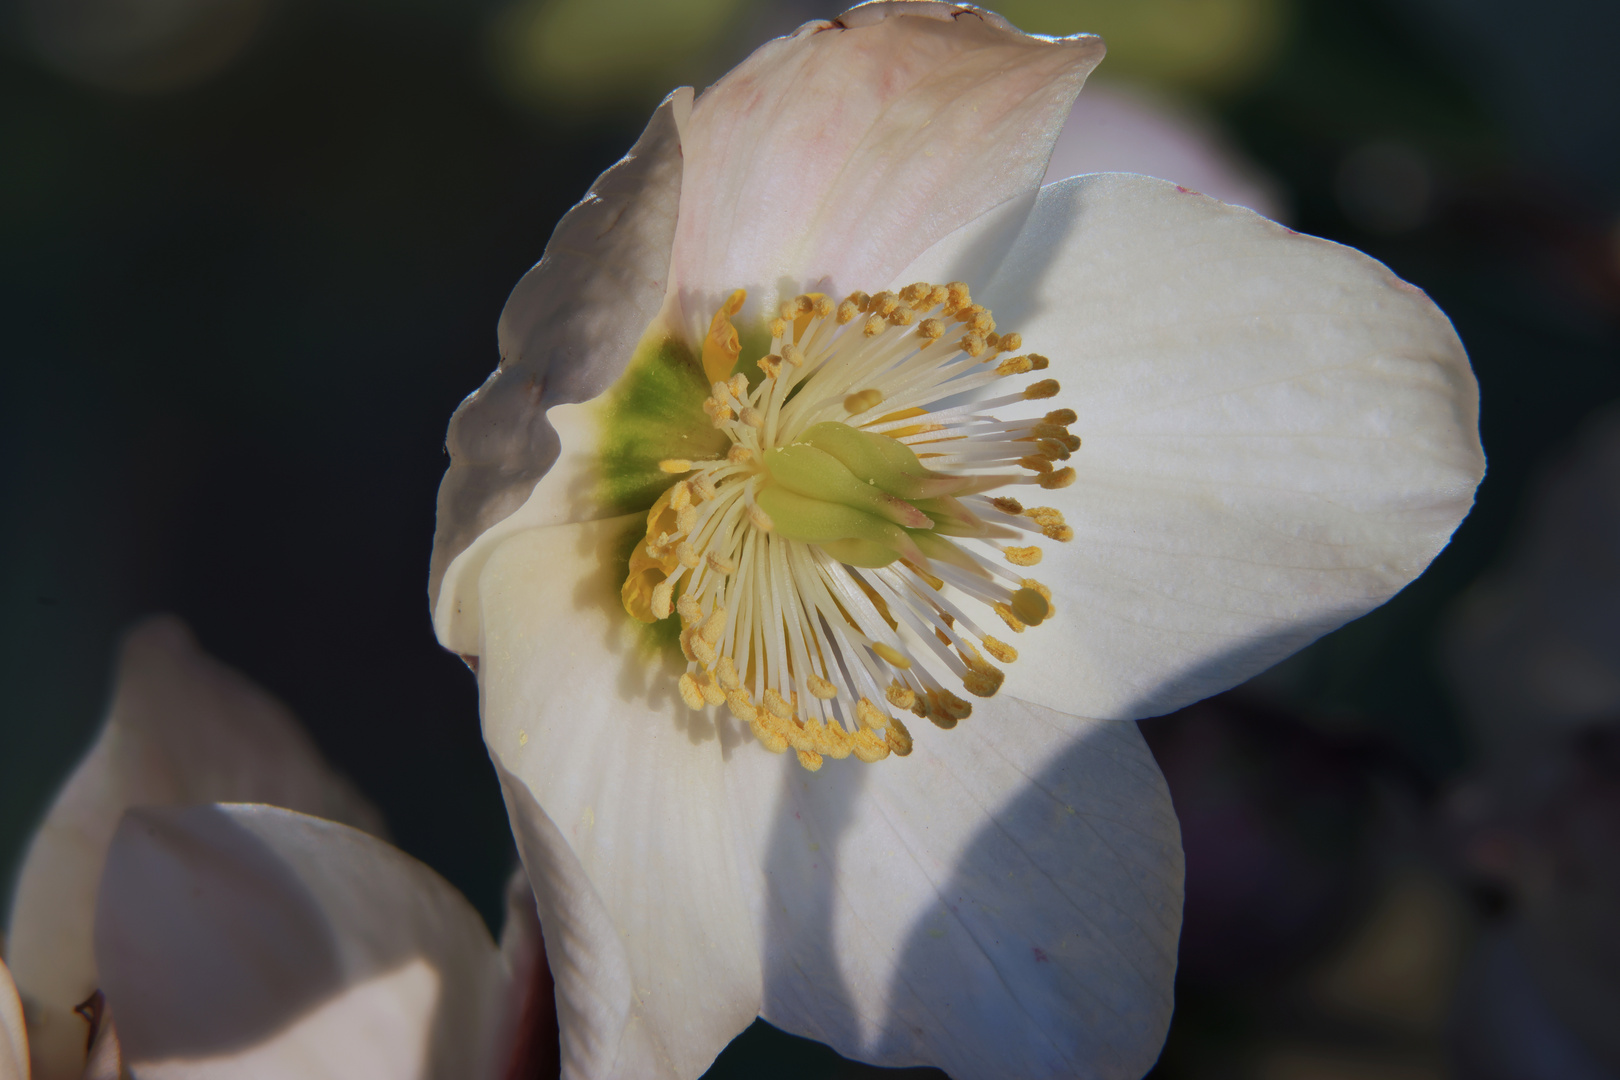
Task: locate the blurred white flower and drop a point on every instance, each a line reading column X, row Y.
column 1278, row 435
column 241, row 940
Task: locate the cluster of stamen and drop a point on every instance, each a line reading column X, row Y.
column 823, row 568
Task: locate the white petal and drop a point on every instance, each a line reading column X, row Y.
column 1003, row 902
column 617, row 794
column 1279, row 434
column 13, row 1036
column 250, row 941
column 839, row 153
column 182, row 728
column 565, row 334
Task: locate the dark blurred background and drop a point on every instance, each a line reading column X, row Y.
column 252, row 253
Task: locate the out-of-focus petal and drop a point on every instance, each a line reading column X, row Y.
column 1030, row 856
column 527, row 1025
column 618, row 799
column 565, row 334
column 1279, row 434
column 837, row 154
column 13, row 1036
column 182, row 728
column 251, row 941
column 1115, row 128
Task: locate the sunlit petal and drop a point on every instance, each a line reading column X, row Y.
column 619, row 801
column 842, row 151
column 1278, row 435
column 1032, row 856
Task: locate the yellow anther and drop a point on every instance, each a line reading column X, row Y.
column 869, row 715
column 770, row 364
column 1013, row 622
column 999, row 649
column 721, row 345
column 1011, row 341
column 789, row 310
column 719, row 565
column 916, row 291
column 1061, row 533
column 714, row 626
column 862, row 400
column 898, row 738
column 951, row 705
column 793, row 355
column 777, row 704
column 823, row 305
column 688, row 555
column 1060, row 479
column 873, row 326
column 702, row 651
column 892, row 655
column 1061, row 417
column 972, row 344
column 859, row 299
column 752, row 417
column 932, row 329
column 1045, row 515
column 1014, row 365
column 983, row 680
column 981, row 322
column 680, row 496
column 937, row 296
column 739, row 454
column 726, row 672
column 738, row 386
column 712, row 693
column 885, row 303
column 1036, row 463
column 1041, row 364
column 821, row 688
column 1048, row 431
column 833, row 740
column 702, row 487
column 1052, row 449
column 1022, row 556
column 675, row 465
column 686, row 520
column 902, row 316
column 869, row 747
column 1033, row 603
column 1007, row 505
column 691, row 693
column 770, row 736
column 847, row 312
column 810, row 759
column 739, row 704
column 1044, row 389
column 994, row 341
column 661, row 599
column 778, row 327
column 958, row 295
column 901, row 697
column 760, row 519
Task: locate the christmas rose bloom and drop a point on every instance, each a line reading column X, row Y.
column 238, row 941
column 817, row 413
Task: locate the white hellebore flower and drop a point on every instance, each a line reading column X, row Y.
column 719, row 503
column 236, row 941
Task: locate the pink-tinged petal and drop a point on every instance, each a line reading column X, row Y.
column 836, row 155
column 565, row 334
column 1005, row 901
column 13, row 1036
column 182, row 728
column 239, row 941
column 1278, row 435
column 527, row 1026
column 618, row 799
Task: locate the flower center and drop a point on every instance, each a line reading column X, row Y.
column 829, row 561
